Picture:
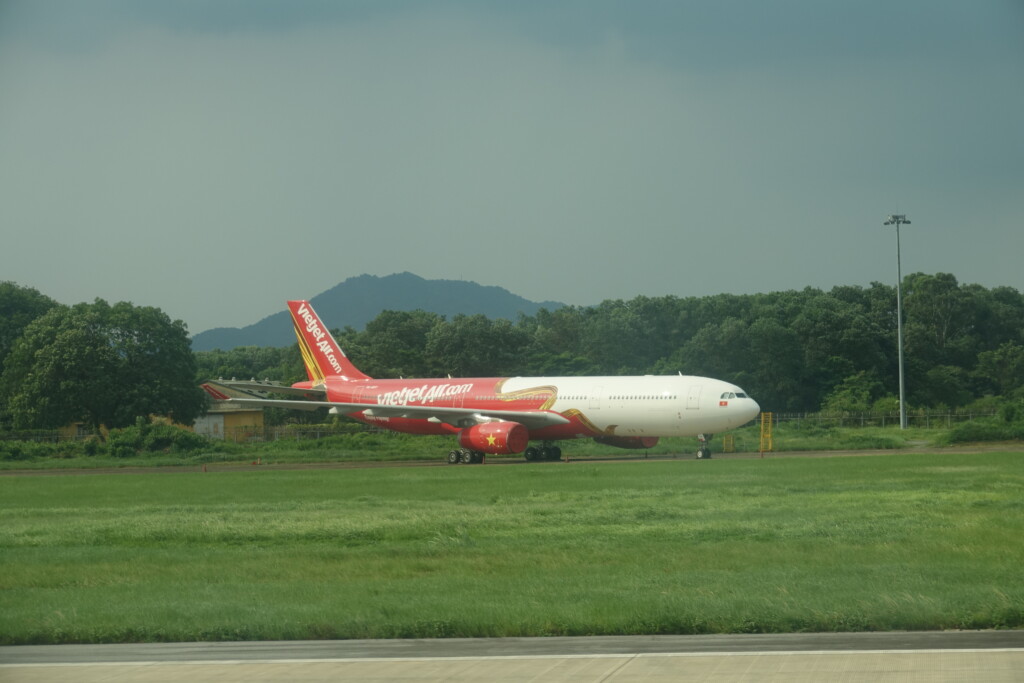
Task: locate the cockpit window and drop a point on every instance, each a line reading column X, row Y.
column 740, row 394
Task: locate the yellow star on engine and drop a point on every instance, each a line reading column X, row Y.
column 490, row 439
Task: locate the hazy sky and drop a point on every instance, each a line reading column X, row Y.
column 216, row 158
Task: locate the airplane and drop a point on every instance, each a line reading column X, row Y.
column 502, row 415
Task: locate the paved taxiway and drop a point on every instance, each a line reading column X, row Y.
column 853, row 657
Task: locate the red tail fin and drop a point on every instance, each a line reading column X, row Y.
column 320, row 352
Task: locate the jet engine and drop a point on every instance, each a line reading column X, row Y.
column 628, row 441
column 495, row 437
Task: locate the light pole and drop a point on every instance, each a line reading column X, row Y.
column 896, row 219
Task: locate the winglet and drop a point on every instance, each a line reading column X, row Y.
column 320, row 352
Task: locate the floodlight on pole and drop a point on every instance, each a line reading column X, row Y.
column 897, row 219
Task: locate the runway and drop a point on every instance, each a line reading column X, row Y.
column 853, row 657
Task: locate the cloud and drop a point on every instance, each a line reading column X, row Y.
column 215, row 163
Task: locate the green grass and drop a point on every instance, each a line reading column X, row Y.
column 391, row 446
column 782, row 544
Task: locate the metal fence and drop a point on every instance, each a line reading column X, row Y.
column 294, row 432
column 239, row 434
column 922, row 419
column 42, row 436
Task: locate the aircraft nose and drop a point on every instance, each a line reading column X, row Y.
column 755, row 409
column 747, row 408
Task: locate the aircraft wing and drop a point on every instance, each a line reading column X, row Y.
column 457, row 417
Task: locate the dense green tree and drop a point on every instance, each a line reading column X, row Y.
column 940, row 320
column 476, row 346
column 557, row 331
column 1000, row 315
column 282, row 364
column 102, row 365
column 1003, row 369
column 777, row 370
column 941, row 385
column 791, row 350
column 555, row 343
column 855, row 394
column 19, row 306
column 615, row 338
column 717, row 350
column 839, row 339
column 394, row 344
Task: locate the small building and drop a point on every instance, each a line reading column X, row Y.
column 233, row 422
column 78, row 431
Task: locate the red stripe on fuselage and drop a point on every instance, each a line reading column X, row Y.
column 483, row 394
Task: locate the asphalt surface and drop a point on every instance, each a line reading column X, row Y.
column 518, row 647
column 854, row 657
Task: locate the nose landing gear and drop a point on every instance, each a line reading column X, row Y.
column 703, row 446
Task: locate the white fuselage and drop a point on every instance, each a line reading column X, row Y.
column 669, row 405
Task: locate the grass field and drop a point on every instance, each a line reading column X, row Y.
column 392, row 446
column 895, row 541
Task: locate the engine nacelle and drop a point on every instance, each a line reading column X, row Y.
column 628, row 441
column 495, row 437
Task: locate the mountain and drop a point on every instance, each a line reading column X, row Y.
column 358, row 300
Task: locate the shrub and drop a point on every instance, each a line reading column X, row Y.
column 987, row 430
column 164, row 438
column 1012, row 411
column 146, row 437
column 984, row 405
column 15, row 451
column 887, row 404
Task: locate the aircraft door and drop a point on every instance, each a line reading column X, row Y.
column 693, row 397
column 595, row 398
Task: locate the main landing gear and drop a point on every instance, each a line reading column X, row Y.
column 703, row 446
column 465, row 456
column 545, row 452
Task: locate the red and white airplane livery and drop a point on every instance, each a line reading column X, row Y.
column 500, row 415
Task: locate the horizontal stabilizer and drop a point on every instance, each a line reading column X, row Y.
column 258, row 389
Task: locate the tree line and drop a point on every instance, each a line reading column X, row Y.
column 794, row 351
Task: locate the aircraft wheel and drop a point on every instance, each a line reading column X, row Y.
column 703, row 453
column 532, row 453
column 554, row 453
column 466, row 457
column 478, row 457
column 453, row 457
